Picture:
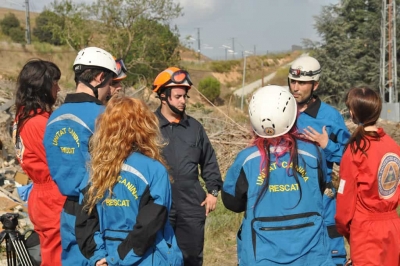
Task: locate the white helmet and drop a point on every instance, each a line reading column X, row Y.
column 305, row 68
column 273, row 111
column 94, row 57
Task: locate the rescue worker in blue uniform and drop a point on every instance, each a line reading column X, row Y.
column 323, row 124
column 128, row 198
column 188, row 149
column 67, row 137
column 279, row 182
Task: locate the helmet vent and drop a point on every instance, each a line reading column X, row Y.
column 284, row 108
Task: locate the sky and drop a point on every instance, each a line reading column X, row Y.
column 258, row 26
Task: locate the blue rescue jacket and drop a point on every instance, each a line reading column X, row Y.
column 66, row 140
column 317, row 115
column 131, row 227
column 282, row 229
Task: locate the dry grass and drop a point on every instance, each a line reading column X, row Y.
column 14, row 56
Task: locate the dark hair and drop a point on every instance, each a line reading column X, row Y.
column 365, row 105
column 34, row 89
column 89, row 74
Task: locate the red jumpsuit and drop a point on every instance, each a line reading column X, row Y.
column 367, row 198
column 45, row 201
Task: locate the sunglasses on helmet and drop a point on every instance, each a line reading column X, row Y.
column 179, row 77
column 120, row 66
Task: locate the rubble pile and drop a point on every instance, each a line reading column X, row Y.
column 11, row 174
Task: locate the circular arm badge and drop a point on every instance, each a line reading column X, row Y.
column 388, row 175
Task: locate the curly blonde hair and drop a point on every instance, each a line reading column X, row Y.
column 127, row 125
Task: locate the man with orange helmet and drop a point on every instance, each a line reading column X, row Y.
column 188, row 147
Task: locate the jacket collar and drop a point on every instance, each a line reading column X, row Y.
column 313, row 108
column 164, row 122
column 81, row 97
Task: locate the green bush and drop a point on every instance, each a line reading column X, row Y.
column 210, row 87
column 9, row 22
column 45, row 23
column 17, row 35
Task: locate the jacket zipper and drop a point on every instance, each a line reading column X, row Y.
column 290, row 227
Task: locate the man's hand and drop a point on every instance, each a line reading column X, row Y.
column 210, row 202
column 313, row 135
column 101, row 262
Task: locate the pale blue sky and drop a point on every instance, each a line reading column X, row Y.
column 267, row 25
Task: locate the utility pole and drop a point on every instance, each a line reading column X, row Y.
column 28, row 26
column 388, row 70
column 198, row 42
column 233, row 47
column 262, row 72
column 244, row 77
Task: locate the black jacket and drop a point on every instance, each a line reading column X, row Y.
column 189, row 147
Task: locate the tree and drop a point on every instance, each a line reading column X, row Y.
column 9, row 22
column 210, row 87
column 154, row 49
column 120, row 18
column 136, row 30
column 139, row 32
column 46, row 22
column 349, row 50
column 78, row 24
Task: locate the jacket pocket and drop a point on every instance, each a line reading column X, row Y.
column 283, row 239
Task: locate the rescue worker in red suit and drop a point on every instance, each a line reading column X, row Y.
column 35, row 96
column 188, row 148
column 369, row 191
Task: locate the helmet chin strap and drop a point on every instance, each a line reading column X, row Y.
column 308, row 100
column 173, row 108
column 95, row 88
column 176, row 110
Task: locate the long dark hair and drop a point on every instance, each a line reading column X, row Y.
column 34, row 90
column 365, row 105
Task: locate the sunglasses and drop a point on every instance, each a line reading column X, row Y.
column 120, row 66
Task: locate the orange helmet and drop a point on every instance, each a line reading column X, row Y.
column 171, row 77
column 121, row 70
